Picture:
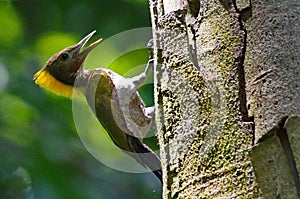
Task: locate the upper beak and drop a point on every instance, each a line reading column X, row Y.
column 82, row 55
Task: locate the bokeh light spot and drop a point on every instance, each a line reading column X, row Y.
column 53, row 42
column 10, row 24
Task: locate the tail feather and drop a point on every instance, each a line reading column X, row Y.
column 145, row 156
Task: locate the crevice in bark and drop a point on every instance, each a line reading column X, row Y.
column 251, row 118
column 190, row 19
column 241, row 60
column 246, row 13
column 286, row 146
column 226, row 4
column 194, row 7
column 192, row 45
column 170, row 180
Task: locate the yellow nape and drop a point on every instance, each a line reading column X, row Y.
column 45, row 80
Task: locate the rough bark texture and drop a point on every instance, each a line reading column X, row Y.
column 272, row 69
column 214, row 60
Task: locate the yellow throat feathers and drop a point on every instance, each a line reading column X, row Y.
column 45, row 80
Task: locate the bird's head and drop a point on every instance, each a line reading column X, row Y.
column 60, row 72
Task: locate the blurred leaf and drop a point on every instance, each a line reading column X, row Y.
column 101, row 56
column 16, row 185
column 53, row 42
column 16, row 117
column 11, row 30
column 132, row 63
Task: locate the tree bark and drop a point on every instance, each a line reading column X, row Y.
column 227, row 95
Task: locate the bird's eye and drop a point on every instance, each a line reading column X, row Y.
column 65, row 56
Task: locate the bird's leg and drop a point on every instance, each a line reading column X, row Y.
column 139, row 79
column 149, row 111
column 127, row 87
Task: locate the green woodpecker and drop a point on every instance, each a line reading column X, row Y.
column 113, row 98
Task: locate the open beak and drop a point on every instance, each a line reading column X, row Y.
column 83, row 54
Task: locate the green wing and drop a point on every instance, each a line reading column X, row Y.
column 100, row 93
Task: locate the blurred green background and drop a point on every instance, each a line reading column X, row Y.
column 41, row 153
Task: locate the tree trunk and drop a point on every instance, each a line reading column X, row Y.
column 227, row 95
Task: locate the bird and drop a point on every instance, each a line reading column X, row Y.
column 113, row 98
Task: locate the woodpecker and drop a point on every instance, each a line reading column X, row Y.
column 113, row 98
